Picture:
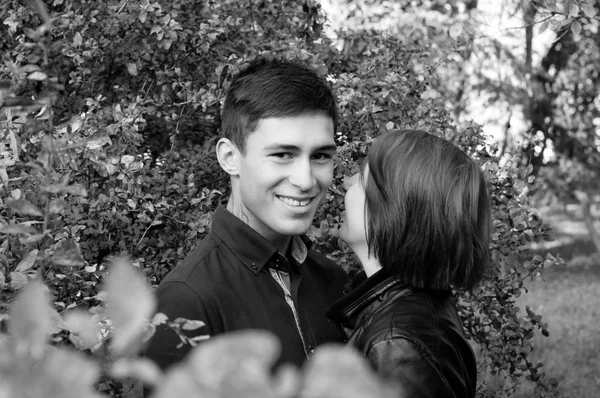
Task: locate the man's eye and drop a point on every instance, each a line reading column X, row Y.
column 282, row 155
column 323, row 156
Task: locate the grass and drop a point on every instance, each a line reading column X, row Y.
column 569, row 301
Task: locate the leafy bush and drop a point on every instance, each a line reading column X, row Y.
column 110, row 110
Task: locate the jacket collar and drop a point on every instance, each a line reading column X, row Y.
column 361, row 292
column 251, row 248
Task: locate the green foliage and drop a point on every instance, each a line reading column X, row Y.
column 109, row 114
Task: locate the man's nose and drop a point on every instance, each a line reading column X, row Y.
column 303, row 176
column 350, row 181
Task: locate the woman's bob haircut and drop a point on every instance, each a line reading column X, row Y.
column 428, row 211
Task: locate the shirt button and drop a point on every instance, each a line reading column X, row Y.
column 254, row 267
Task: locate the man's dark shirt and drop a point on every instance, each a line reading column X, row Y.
column 229, row 282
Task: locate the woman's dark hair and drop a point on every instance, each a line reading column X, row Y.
column 273, row 88
column 428, row 211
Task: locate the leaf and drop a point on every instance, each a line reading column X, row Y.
column 57, row 187
column 192, row 324
column 98, row 140
column 85, row 332
column 77, row 39
column 127, row 159
column 41, row 8
column 132, row 69
column 573, row 9
column 31, row 322
column 25, row 207
column 576, row 28
column 68, row 254
column 14, row 147
column 244, row 356
column 589, row 10
column 28, row 261
column 60, row 373
column 37, row 76
column 131, row 204
column 155, row 29
column 143, row 15
column 14, row 229
column 389, row 125
column 455, row 30
column 75, row 189
column 159, row 319
column 130, row 303
column 74, row 124
column 543, row 27
column 18, row 280
column 337, row 371
column 3, row 175
column 110, row 169
column 554, row 24
column 32, row 238
column 56, row 206
column 29, row 68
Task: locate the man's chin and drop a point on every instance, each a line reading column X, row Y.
column 295, row 227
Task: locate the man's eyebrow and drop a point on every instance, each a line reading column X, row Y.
column 281, row 147
column 288, row 147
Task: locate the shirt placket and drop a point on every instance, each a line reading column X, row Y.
column 283, row 279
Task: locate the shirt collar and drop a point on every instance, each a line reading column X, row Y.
column 251, row 248
column 299, row 247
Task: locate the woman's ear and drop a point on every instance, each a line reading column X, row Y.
column 228, row 155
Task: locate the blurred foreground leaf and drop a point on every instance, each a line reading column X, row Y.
column 28, row 261
column 130, row 304
column 60, row 373
column 84, row 330
column 341, row 372
column 235, row 364
column 25, row 207
column 31, row 320
column 67, row 253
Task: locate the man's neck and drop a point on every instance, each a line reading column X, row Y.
column 281, row 242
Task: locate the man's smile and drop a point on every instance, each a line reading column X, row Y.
column 296, row 202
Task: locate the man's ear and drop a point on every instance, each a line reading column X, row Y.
column 228, row 156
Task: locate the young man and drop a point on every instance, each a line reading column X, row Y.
column 255, row 269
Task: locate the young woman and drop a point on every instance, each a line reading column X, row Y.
column 418, row 219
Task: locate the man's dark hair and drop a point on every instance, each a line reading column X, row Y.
column 273, row 88
column 428, row 211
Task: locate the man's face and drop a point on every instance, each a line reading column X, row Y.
column 286, row 170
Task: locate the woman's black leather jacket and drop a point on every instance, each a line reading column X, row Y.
column 413, row 337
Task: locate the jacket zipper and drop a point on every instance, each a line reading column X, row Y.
column 288, row 299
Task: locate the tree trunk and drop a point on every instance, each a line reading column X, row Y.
column 586, row 206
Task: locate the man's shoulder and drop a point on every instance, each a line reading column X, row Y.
column 206, row 256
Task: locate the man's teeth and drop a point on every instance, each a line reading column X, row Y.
column 294, row 202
